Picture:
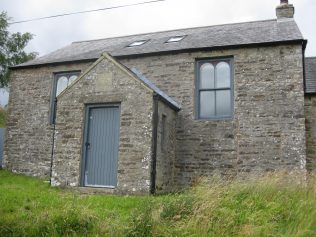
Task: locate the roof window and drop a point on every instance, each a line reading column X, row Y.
column 176, row 39
column 137, row 43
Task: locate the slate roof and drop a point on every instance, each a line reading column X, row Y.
column 151, row 85
column 310, row 75
column 219, row 36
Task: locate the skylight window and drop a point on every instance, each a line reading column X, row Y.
column 175, row 39
column 137, row 43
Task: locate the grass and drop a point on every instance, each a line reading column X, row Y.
column 29, row 207
column 2, row 118
column 269, row 206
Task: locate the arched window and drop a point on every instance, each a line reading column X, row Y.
column 207, row 80
column 61, row 82
column 214, row 89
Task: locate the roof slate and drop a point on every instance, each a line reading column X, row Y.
column 247, row 33
column 310, row 75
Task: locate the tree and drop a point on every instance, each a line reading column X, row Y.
column 11, row 49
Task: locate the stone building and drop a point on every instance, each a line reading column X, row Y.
column 155, row 112
column 310, row 112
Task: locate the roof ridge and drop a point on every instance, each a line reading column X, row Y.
column 165, row 31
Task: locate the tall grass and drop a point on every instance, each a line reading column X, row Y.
column 270, row 206
column 273, row 205
column 29, row 207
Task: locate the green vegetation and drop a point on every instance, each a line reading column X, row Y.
column 2, row 118
column 12, row 48
column 272, row 206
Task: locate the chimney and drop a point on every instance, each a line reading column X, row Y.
column 285, row 10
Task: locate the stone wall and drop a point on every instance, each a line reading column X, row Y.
column 29, row 135
column 268, row 129
column 106, row 83
column 266, row 133
column 310, row 122
column 166, row 144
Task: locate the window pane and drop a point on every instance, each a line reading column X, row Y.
column 222, row 75
column 61, row 84
column 207, row 76
column 72, row 79
column 207, row 104
column 137, row 43
column 175, row 39
column 223, row 103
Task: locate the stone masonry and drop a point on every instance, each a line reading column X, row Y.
column 268, row 129
column 166, row 147
column 28, row 143
column 106, row 83
column 310, row 115
column 267, row 132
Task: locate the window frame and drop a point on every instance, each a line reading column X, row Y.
column 214, row 62
column 56, row 76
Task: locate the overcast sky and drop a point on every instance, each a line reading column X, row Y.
column 51, row 34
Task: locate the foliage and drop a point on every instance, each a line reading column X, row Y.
column 269, row 206
column 2, row 118
column 11, row 49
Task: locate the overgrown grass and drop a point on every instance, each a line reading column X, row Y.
column 29, row 207
column 2, row 118
column 270, row 206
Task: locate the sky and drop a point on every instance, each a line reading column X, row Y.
column 54, row 33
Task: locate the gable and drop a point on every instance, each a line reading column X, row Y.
column 104, row 80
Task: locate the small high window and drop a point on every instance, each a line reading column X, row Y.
column 175, row 39
column 137, row 43
column 214, row 89
column 61, row 82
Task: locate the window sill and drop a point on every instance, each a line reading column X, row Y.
column 231, row 118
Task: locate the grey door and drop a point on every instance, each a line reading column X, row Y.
column 101, row 146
